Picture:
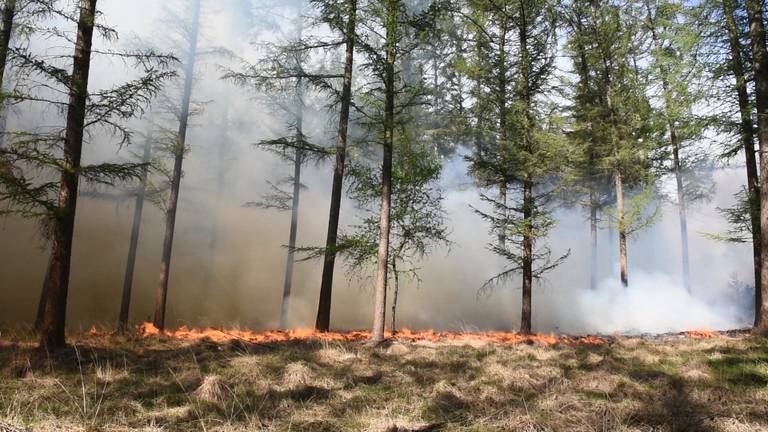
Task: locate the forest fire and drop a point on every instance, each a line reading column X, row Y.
column 700, row 334
column 216, row 335
column 185, row 333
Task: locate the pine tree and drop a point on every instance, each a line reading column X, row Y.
column 285, row 75
column 518, row 42
column 31, row 157
column 760, row 69
column 347, row 26
column 179, row 150
column 138, row 211
column 676, row 72
column 585, row 183
column 622, row 119
column 746, row 131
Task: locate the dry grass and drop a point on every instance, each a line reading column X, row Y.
column 630, row 384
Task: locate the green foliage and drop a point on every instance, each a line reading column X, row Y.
column 32, row 159
column 519, row 142
column 739, row 219
column 418, row 219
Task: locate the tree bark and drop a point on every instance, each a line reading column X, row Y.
column 528, row 199
column 760, row 60
column 526, row 315
column 138, row 210
column 395, row 295
column 682, row 206
column 9, row 13
column 746, row 129
column 623, row 267
column 173, row 201
column 326, row 284
column 503, row 137
column 593, row 243
column 386, row 176
column 52, row 328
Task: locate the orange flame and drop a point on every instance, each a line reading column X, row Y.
column 223, row 336
column 700, row 334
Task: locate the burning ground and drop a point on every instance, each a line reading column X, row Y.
column 231, row 380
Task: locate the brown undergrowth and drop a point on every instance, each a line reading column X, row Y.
column 132, row 383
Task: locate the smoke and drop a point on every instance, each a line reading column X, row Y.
column 239, row 281
column 654, row 304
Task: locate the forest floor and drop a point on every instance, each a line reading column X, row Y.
column 109, row 383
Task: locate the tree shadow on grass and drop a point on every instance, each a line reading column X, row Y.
column 672, row 408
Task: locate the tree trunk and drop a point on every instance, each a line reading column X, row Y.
column 395, row 295
column 54, row 313
column 294, row 227
column 593, row 243
column 503, row 138
column 326, row 285
column 760, row 59
column 747, row 133
column 173, row 201
column 622, row 228
column 682, row 207
column 386, row 176
column 9, row 13
column 525, row 324
column 138, row 210
column 528, row 200
column 43, row 296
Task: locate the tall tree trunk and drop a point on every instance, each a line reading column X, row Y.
column 747, row 133
column 618, row 181
column 54, row 313
column 528, row 204
column 528, row 199
column 298, row 161
column 9, row 13
column 503, row 137
column 622, row 228
column 173, row 201
column 386, row 176
column 138, row 210
column 326, row 284
column 593, row 242
column 294, row 224
column 682, row 206
column 760, row 59
column 395, row 295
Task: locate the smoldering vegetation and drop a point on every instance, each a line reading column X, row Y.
column 228, row 261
